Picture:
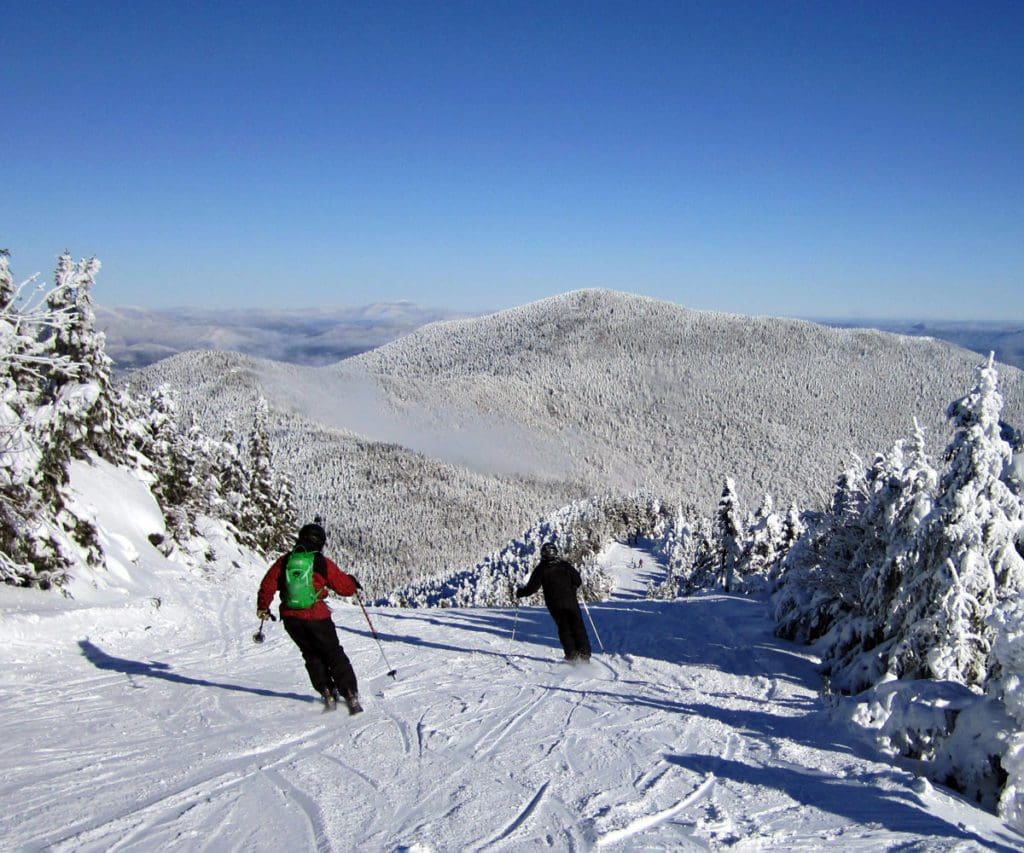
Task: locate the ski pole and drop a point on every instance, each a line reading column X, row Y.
column 258, row 636
column 512, row 639
column 592, row 625
column 392, row 672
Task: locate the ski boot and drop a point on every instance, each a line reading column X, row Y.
column 330, row 701
column 352, row 701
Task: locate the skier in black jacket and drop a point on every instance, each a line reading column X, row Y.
column 560, row 580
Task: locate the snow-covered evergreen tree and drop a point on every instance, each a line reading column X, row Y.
column 793, row 528
column 268, row 516
column 764, row 543
column 165, row 459
column 968, row 558
column 194, row 476
column 84, row 407
column 230, row 471
column 1007, row 622
column 903, row 495
column 7, row 289
column 39, row 532
column 816, row 585
column 857, row 630
column 727, row 530
column 687, row 550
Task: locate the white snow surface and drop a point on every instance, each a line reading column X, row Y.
column 140, row 715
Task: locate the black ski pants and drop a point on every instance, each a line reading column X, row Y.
column 572, row 633
column 328, row 667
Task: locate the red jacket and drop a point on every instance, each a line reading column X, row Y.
column 337, row 580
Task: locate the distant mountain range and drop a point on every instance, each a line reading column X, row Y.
column 137, row 337
column 429, row 452
column 1006, row 340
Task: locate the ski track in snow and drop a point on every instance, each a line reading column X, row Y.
column 696, row 729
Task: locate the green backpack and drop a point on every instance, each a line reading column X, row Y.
column 299, row 592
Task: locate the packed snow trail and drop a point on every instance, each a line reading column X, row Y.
column 153, row 726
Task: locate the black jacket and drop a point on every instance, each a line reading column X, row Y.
column 559, row 580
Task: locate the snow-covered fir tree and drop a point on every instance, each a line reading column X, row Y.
column 968, row 560
column 793, row 528
column 816, row 586
column 1007, row 622
column 765, row 539
column 695, row 548
column 687, row 550
column 27, row 554
column 938, row 570
column 856, row 629
column 55, row 382
column 231, row 473
column 268, row 513
column 158, row 442
column 858, row 653
column 727, row 528
column 905, row 569
column 195, row 475
column 7, row 289
column 85, row 407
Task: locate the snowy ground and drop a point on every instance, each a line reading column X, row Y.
column 135, row 726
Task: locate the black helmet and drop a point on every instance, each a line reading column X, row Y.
column 548, row 550
column 311, row 537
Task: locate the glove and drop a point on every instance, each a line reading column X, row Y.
column 356, row 582
column 263, row 614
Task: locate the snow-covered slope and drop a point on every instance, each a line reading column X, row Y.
column 142, row 716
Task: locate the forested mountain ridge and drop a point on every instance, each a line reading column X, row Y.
column 460, row 435
column 639, row 392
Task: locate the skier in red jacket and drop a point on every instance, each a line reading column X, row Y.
column 304, row 571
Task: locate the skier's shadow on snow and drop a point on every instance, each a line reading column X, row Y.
column 800, row 728
column 864, row 804
column 412, row 640
column 155, row 669
column 531, row 625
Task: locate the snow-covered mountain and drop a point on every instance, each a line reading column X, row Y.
column 139, row 715
column 431, row 451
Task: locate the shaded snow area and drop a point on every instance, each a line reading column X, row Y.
column 141, row 716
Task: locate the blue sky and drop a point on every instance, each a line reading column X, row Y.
column 823, row 159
